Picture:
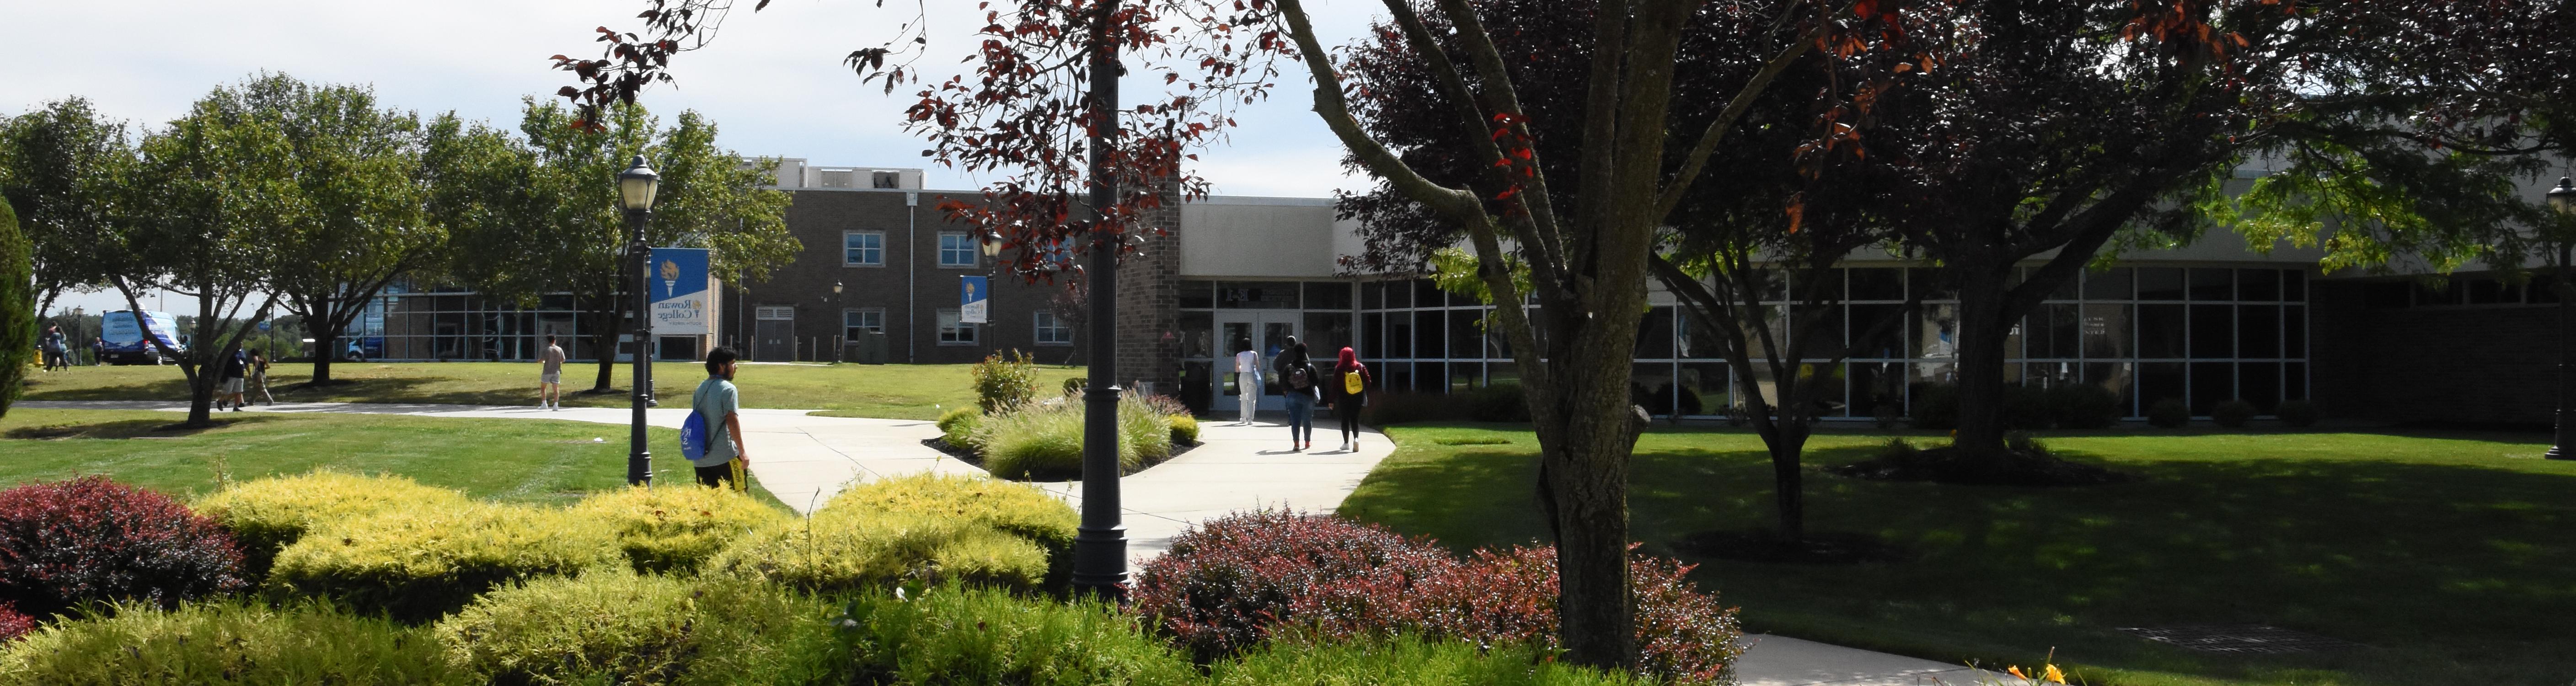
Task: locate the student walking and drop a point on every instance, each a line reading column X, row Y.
column 1247, row 379
column 550, row 376
column 259, row 375
column 229, row 393
column 1300, row 382
column 721, row 403
column 52, row 346
column 1348, row 387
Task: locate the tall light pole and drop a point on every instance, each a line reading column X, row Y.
column 2563, row 199
column 635, row 190
column 1100, row 543
column 72, row 347
column 842, row 339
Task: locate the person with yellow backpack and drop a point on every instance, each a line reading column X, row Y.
column 1348, row 389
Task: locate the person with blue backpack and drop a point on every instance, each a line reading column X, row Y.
column 712, row 436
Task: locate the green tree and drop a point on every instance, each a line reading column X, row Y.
column 360, row 187
column 541, row 215
column 204, row 209
column 61, row 166
column 17, row 308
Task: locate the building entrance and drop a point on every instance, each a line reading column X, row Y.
column 1268, row 330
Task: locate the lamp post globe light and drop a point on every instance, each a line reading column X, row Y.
column 2563, row 199
column 635, row 188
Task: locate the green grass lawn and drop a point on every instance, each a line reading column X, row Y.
column 2452, row 555
column 516, row 460
column 892, row 391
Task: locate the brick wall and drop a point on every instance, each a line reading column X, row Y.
column 1148, row 327
column 2475, row 364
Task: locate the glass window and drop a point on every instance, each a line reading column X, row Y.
column 2213, row 284
column 1198, row 295
column 2258, row 331
column 956, row 249
column 2260, row 383
column 863, row 248
column 2160, row 332
column 1878, row 284
column 2111, row 284
column 1426, row 294
column 2213, row 332
column 2057, row 328
column 1829, row 287
column 1257, row 295
column 1198, row 335
column 1467, row 334
column 1879, row 332
column 1465, row 375
column 2263, row 285
column 2294, row 331
column 2159, row 283
column 2119, row 379
column 952, row 331
column 1372, row 295
column 2157, row 382
column 1427, row 341
column 1932, row 284
column 1328, row 295
column 1052, row 330
column 1399, row 335
column 864, row 320
column 2106, row 330
column 1372, row 335
column 2294, row 285
column 2211, row 383
column 1433, row 377
column 1652, row 387
column 1704, row 387
column 1326, row 334
column 1655, row 334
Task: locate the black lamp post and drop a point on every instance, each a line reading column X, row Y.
column 73, row 346
column 2563, row 199
column 841, row 340
column 1100, row 543
column 635, row 190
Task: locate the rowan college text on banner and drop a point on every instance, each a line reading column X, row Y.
column 678, row 284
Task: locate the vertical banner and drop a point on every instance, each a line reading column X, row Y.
column 974, row 292
column 678, row 286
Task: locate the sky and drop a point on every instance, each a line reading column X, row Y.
column 772, row 80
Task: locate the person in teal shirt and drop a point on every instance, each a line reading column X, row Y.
column 722, row 404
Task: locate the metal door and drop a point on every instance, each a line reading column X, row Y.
column 1268, row 331
column 774, row 337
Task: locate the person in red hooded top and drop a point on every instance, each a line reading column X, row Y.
column 1348, row 391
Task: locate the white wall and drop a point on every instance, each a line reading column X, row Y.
column 1255, row 238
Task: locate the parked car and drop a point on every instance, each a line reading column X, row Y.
column 125, row 342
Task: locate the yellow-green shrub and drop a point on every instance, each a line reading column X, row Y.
column 959, row 428
column 844, row 551
column 420, row 563
column 1014, row 508
column 228, row 642
column 674, row 528
column 1185, row 428
column 622, row 628
column 266, row 515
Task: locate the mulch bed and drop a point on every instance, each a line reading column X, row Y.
column 1763, row 545
column 2011, row 468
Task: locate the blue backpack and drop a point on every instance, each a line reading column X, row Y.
column 693, row 436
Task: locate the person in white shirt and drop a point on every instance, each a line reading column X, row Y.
column 1247, row 378
column 550, row 375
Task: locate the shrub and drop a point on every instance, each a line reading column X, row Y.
column 1045, row 441
column 17, row 308
column 266, row 515
column 419, row 563
column 1185, row 429
column 1402, row 408
column 1404, row 660
column 2232, row 414
column 2169, row 413
column 1005, row 383
column 14, row 625
column 2298, row 413
column 833, row 552
column 949, row 635
column 2028, row 408
column 2084, row 406
column 1227, row 581
column 1936, row 406
column 675, row 528
column 228, row 642
column 90, row 539
column 959, row 428
column 1012, row 508
column 1076, row 384
column 1161, row 404
column 1500, row 402
column 641, row 629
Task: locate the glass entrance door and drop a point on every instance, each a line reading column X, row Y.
column 1267, row 331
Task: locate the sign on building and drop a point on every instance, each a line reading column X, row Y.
column 678, row 287
column 975, row 293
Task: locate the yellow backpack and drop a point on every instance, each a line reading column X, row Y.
column 1351, row 382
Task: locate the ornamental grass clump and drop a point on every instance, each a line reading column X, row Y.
column 1044, row 441
column 90, row 539
column 961, row 427
column 674, row 528
column 620, row 628
column 229, row 642
column 419, row 563
column 836, row 552
column 266, row 515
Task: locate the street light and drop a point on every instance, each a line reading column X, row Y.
column 72, row 351
column 2563, row 199
column 1100, row 542
column 635, row 188
column 843, row 338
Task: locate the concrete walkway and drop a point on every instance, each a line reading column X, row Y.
column 805, row 460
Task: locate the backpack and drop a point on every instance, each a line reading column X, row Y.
column 1299, row 378
column 693, row 436
column 1352, row 384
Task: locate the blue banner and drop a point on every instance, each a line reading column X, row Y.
column 975, row 293
column 678, row 285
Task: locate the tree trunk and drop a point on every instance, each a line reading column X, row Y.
column 1584, row 459
column 604, row 337
column 1788, row 481
column 327, row 338
column 1983, row 328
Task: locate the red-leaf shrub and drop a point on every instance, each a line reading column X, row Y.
column 1226, row 582
column 14, row 625
column 90, row 539
column 1243, row 575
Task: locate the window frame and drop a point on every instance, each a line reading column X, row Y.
column 951, row 331
column 878, row 249
column 974, row 256
column 849, row 331
column 1043, row 321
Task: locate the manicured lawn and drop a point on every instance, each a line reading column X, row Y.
column 533, row 461
column 2452, row 555
column 891, row 391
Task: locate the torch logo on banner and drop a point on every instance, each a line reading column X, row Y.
column 670, row 278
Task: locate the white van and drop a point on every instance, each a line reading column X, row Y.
column 125, row 342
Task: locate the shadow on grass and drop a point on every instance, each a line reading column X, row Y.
column 129, row 428
column 2452, row 573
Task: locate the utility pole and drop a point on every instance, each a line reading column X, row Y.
column 1100, row 543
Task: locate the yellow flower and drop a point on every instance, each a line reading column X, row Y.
column 2015, row 671
column 2053, row 676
